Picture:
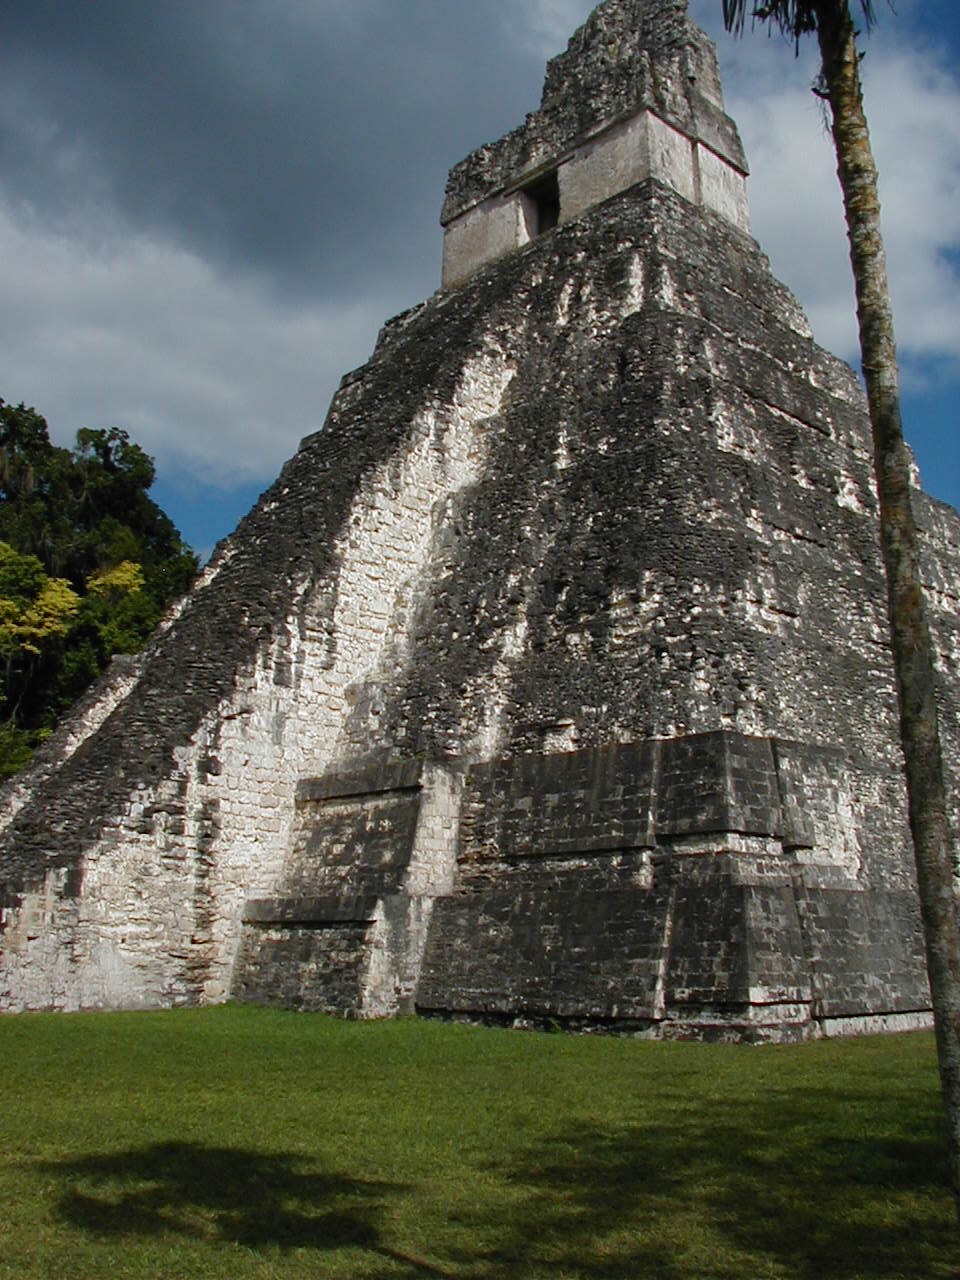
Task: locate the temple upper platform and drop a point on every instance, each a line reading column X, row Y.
column 636, row 95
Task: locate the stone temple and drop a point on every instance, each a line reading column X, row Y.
column 551, row 680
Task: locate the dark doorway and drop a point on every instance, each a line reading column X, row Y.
column 544, row 195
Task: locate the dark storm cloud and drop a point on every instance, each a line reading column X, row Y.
column 209, row 207
column 255, row 133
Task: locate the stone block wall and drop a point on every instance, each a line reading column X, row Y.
column 606, row 493
column 131, row 850
column 637, row 95
column 656, row 887
column 373, row 846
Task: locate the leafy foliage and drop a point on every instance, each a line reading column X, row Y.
column 88, row 565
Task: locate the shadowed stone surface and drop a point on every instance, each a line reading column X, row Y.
column 550, row 680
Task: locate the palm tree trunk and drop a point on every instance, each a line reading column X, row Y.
column 912, row 649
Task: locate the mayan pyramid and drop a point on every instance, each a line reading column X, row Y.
column 550, row 681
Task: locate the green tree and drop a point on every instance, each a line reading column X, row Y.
column 90, row 565
column 839, row 85
column 36, row 615
column 34, row 611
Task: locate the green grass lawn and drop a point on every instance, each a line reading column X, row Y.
column 239, row 1142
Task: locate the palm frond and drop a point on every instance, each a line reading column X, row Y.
column 794, row 17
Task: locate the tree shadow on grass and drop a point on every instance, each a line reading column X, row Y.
column 247, row 1198
column 793, row 1187
column 756, row 1188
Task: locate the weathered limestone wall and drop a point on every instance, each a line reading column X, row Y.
column 488, row 231
column 133, row 893
column 629, row 152
column 636, row 95
column 639, row 148
column 606, row 493
column 673, row 884
column 597, row 496
column 940, row 528
column 698, row 514
column 551, row 679
column 629, row 56
column 372, row 851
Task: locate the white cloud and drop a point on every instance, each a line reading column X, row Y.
column 795, row 207
column 217, row 376
column 545, row 26
column 913, row 108
column 211, row 375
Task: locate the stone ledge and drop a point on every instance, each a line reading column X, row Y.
column 405, row 775
column 310, row 912
column 585, row 92
column 633, row 796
